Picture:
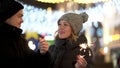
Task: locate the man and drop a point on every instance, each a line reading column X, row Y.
column 14, row 51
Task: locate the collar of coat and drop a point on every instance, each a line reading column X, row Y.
column 9, row 30
column 64, row 43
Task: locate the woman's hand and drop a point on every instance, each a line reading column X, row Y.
column 43, row 45
column 81, row 62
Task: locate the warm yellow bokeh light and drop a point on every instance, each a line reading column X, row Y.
column 77, row 1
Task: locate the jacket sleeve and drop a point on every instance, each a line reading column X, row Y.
column 89, row 58
column 39, row 60
column 45, row 59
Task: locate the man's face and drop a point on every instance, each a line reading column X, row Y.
column 16, row 19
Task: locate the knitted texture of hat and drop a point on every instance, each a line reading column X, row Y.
column 76, row 20
column 8, row 8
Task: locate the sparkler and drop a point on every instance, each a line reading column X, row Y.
column 83, row 49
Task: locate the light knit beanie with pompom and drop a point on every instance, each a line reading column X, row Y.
column 76, row 20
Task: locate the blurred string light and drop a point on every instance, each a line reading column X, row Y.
column 76, row 1
column 115, row 37
column 31, row 45
column 105, row 50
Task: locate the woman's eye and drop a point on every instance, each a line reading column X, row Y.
column 59, row 24
column 66, row 25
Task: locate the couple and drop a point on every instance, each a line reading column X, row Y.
column 68, row 50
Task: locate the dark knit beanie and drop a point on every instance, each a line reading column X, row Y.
column 8, row 8
column 76, row 20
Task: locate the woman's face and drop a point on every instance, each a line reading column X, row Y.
column 16, row 19
column 64, row 29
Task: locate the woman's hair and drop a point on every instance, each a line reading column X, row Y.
column 74, row 38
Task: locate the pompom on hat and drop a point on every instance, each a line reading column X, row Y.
column 76, row 20
column 8, row 8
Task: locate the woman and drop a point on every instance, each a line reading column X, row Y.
column 68, row 50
